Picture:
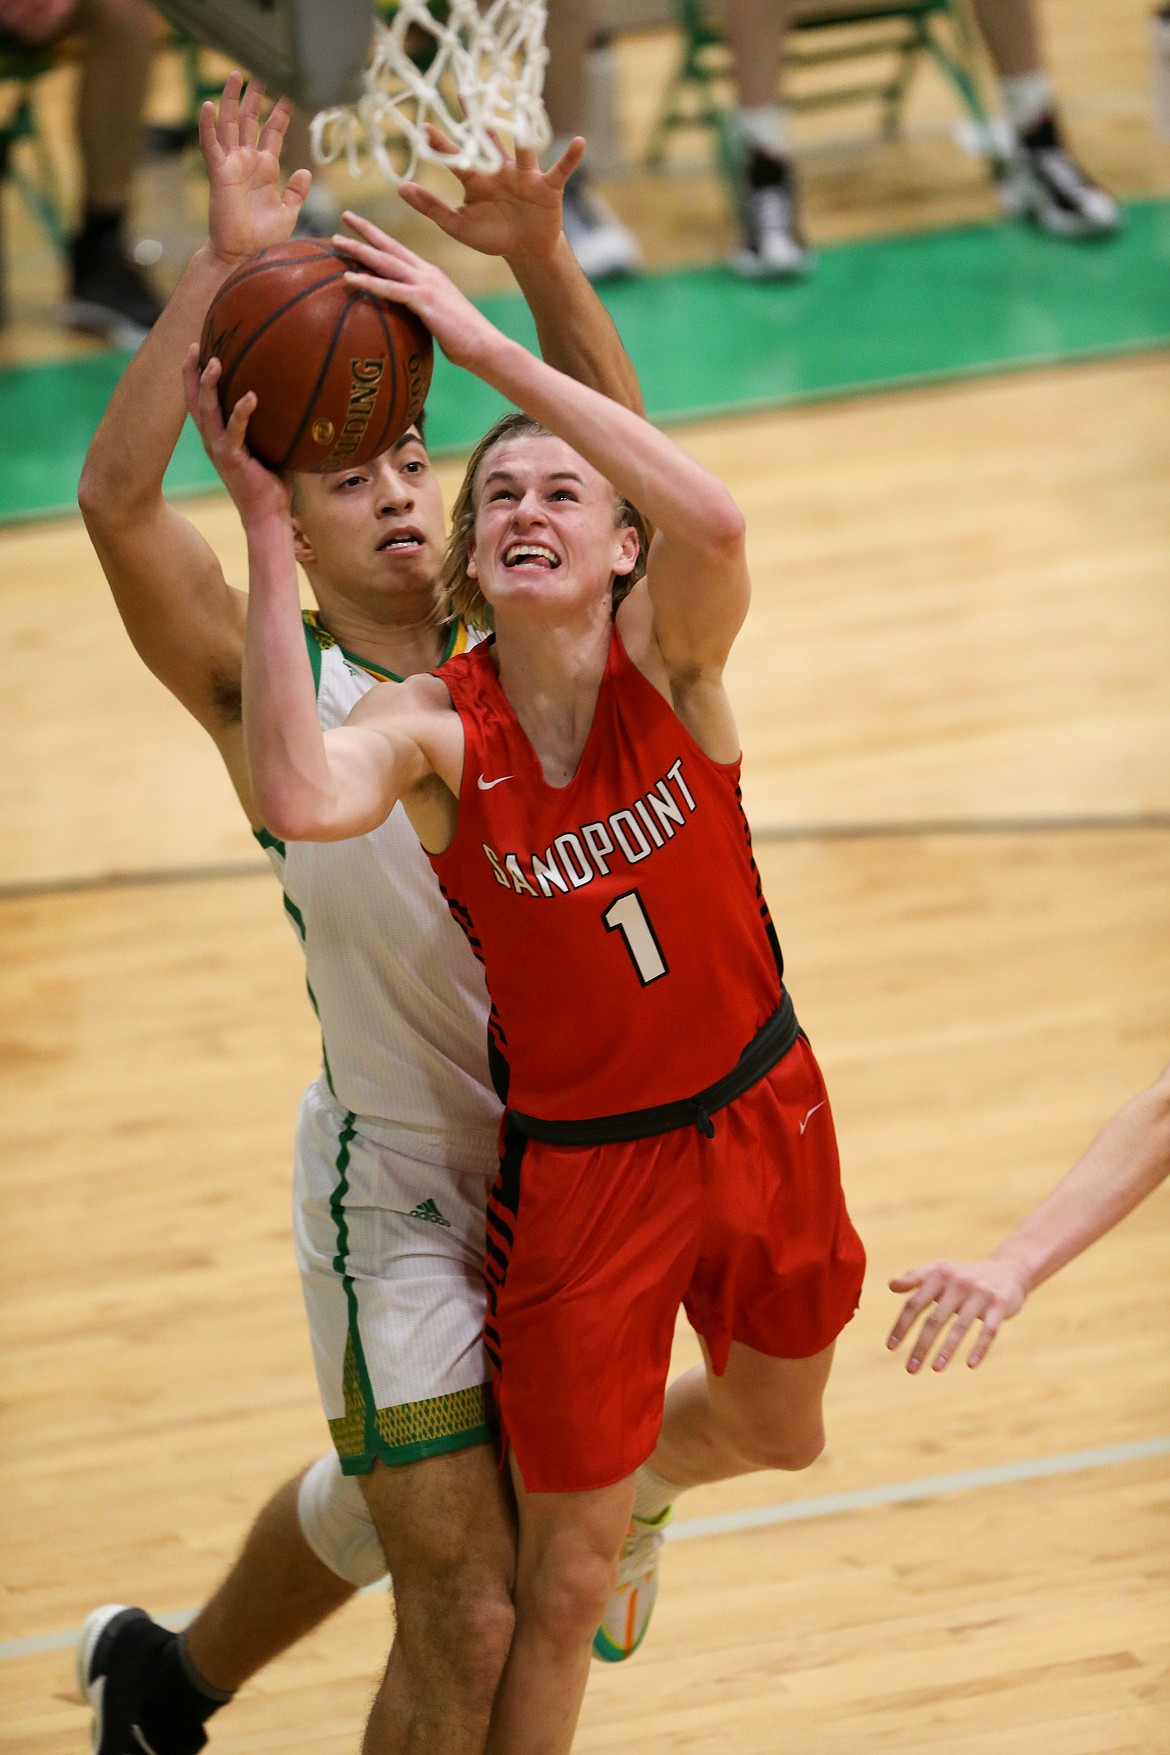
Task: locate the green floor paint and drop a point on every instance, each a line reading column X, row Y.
column 872, row 316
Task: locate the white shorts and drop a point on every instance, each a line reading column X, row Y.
column 390, row 1245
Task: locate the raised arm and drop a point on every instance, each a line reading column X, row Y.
column 1126, row 1162
column 309, row 784
column 698, row 576
column 515, row 212
column 185, row 622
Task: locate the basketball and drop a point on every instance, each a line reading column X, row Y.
column 338, row 376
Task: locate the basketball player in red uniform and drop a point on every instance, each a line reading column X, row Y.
column 576, row 784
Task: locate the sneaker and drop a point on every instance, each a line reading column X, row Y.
column 110, row 296
column 113, row 1663
column 627, row 1616
column 772, row 247
column 598, row 239
column 320, row 214
column 1044, row 183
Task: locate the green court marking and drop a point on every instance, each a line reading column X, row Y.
column 873, row 315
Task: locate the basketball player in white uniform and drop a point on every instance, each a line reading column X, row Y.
column 396, row 1142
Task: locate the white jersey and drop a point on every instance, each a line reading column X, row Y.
column 400, row 997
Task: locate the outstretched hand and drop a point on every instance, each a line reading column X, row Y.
column 388, row 270
column 248, row 211
column 514, row 211
column 963, row 1292
column 256, row 490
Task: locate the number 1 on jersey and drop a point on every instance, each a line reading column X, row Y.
column 629, row 917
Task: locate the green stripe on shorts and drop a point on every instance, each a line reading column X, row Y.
column 410, row 1431
column 365, row 1434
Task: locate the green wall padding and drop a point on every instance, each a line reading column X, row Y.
column 872, row 315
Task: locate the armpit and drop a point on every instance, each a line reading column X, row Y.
column 227, row 698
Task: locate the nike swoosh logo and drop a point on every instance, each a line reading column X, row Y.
column 136, row 1733
column 486, row 785
column 810, row 1115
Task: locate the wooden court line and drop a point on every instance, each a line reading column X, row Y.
column 792, row 1511
column 913, row 829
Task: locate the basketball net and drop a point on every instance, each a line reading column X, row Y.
column 471, row 72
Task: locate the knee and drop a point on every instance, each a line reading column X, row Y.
column 767, row 1447
column 337, row 1525
column 485, row 1625
column 459, row 1621
column 566, row 1595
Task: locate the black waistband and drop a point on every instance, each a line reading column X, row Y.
column 769, row 1045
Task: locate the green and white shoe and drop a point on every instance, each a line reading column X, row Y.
column 627, row 1616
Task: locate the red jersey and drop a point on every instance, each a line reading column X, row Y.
column 628, row 949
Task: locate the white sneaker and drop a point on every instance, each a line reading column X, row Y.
column 1044, row 183
column 771, row 247
column 598, row 239
column 627, row 1616
column 320, row 214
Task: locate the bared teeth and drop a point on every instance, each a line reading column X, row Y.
column 530, row 551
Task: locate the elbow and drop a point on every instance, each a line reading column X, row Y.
column 91, row 492
column 287, row 812
column 290, row 821
column 308, row 815
column 724, row 528
column 106, row 500
column 98, row 498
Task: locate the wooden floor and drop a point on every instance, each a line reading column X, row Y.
column 954, row 705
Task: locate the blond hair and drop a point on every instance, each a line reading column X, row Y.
column 458, row 590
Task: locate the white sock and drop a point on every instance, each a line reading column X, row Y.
column 652, row 1494
column 763, row 128
column 1027, row 100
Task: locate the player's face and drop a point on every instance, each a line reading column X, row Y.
column 378, row 527
column 545, row 527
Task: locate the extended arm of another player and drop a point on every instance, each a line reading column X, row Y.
column 1128, row 1159
column 515, row 212
column 185, row 622
column 577, row 335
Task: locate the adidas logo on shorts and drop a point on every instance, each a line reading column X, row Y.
column 426, row 1209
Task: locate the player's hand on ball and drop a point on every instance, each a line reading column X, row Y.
column 257, row 491
column 388, row 270
column 962, row 1293
column 248, row 212
column 514, row 211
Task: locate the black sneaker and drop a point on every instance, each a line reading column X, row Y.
column 109, row 295
column 115, row 1659
column 771, row 246
column 1044, row 183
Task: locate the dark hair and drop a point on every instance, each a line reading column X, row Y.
column 458, row 589
column 290, row 475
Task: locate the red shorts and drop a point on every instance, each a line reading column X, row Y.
column 591, row 1250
